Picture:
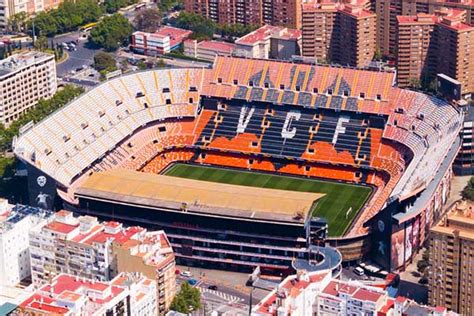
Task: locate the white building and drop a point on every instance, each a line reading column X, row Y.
column 269, row 42
column 127, row 294
column 143, row 293
column 79, row 246
column 317, row 293
column 25, row 78
column 15, row 223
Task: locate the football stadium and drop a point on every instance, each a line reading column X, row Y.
column 250, row 162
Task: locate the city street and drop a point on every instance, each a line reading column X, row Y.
column 232, row 295
column 82, row 56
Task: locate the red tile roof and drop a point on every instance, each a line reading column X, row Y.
column 61, row 227
column 217, row 46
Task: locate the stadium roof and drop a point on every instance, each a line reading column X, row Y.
column 200, row 197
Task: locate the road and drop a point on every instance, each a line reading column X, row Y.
column 84, row 54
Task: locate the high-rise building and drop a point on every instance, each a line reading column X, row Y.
column 428, row 44
column 25, row 78
column 15, row 223
column 318, row 20
column 416, row 51
column 273, row 12
column 388, row 10
column 338, row 33
column 455, row 56
column 451, row 274
column 153, row 257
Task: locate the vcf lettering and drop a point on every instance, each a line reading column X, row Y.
column 287, row 131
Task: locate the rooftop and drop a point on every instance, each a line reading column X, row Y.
column 215, row 46
column 268, row 31
column 88, row 230
column 175, row 34
column 458, row 221
column 234, row 200
column 21, row 60
column 12, row 214
column 67, row 292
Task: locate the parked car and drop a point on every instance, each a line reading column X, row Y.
column 186, row 274
column 359, row 271
column 192, row 281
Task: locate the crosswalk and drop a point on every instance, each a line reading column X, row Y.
column 228, row 297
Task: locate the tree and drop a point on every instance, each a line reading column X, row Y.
column 69, row 16
column 414, row 83
column 203, row 28
column 112, row 6
column 17, row 22
column 41, row 43
column 148, row 20
column 104, row 61
column 141, row 65
column 468, row 192
column 186, row 298
column 378, row 55
column 160, row 63
column 111, row 32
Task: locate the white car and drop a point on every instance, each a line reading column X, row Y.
column 186, row 274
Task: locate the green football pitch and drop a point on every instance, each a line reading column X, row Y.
column 334, row 206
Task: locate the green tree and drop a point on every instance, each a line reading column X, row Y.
column 414, row 83
column 69, row 16
column 141, row 65
column 468, row 191
column 160, row 63
column 104, row 61
column 167, row 5
column 41, row 43
column 17, row 22
column 112, row 6
column 148, row 20
column 203, row 28
column 111, row 32
column 186, row 298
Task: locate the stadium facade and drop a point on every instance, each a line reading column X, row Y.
column 315, row 122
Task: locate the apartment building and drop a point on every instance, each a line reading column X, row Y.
column 388, row 10
column 464, row 163
column 451, row 260
column 152, row 257
column 274, row 42
column 12, row 7
column 143, row 292
column 317, row 293
column 318, row 27
column 15, row 223
column 84, row 247
column 343, row 33
column 455, row 56
column 416, row 50
column 127, row 294
column 428, row 44
column 273, row 12
column 25, row 78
